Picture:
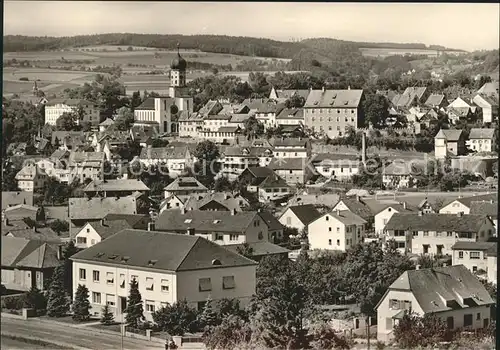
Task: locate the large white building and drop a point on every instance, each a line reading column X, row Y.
column 161, row 112
column 55, row 108
column 167, row 267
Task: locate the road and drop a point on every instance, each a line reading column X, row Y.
column 77, row 337
column 11, row 344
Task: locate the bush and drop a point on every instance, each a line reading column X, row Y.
column 24, row 79
column 14, row 302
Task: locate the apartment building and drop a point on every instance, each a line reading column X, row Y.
column 235, row 160
column 384, row 215
column 293, row 170
column 168, row 268
column 337, row 230
column 449, row 143
column 473, row 255
column 451, row 293
column 31, row 178
column 299, row 216
column 291, row 147
column 115, row 188
column 185, row 186
column 435, row 234
column 332, row 112
column 333, row 166
column 173, row 159
column 481, row 140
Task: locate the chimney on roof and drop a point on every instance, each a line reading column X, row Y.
column 417, row 267
column 460, row 213
column 420, row 213
column 323, row 88
column 183, row 210
column 349, row 87
column 445, row 264
column 103, row 222
column 34, row 228
column 338, row 212
column 404, row 205
column 190, row 231
column 151, row 226
column 233, row 212
column 60, row 252
column 226, row 195
column 358, row 198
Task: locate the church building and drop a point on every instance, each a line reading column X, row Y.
column 163, row 112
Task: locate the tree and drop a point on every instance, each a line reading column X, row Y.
column 134, row 310
column 253, row 128
column 67, row 121
column 376, row 108
column 58, row 301
column 68, row 252
column 214, row 70
column 206, row 166
column 86, row 126
column 207, row 317
column 124, row 119
column 176, row 319
column 35, row 299
column 414, row 331
column 158, row 142
column 81, row 305
column 206, row 150
column 233, row 331
column 295, row 101
column 107, row 317
column 222, row 184
column 326, row 338
column 136, row 100
column 245, row 250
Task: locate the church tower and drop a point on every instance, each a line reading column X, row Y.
column 177, row 75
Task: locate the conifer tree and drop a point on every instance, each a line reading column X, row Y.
column 69, row 251
column 107, row 317
column 58, row 301
column 81, row 305
column 35, row 299
column 207, row 317
column 134, row 310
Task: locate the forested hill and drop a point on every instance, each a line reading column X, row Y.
column 245, row 46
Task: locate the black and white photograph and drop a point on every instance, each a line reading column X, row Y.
column 249, row 175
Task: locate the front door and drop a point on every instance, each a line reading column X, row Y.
column 449, row 322
column 123, row 305
column 486, row 322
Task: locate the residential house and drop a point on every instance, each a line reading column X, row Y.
column 44, row 234
column 358, row 206
column 384, row 215
column 270, row 188
column 190, row 124
column 12, row 198
column 235, row 160
column 56, row 168
column 144, row 135
column 460, row 108
column 425, row 207
column 299, row 216
column 292, row 170
column 489, row 107
column 481, row 140
column 286, row 94
column 213, row 123
column 451, row 293
column 435, row 234
column 489, row 89
column 222, row 227
column 57, row 107
column 449, row 142
column 28, row 263
column 486, row 208
column 239, row 120
column 70, row 140
column 473, row 255
column 176, row 201
column 274, row 227
column 111, row 138
column 222, row 135
column 23, row 211
column 264, row 110
column 175, row 159
column 168, row 268
column 84, row 210
column 411, row 96
column 334, row 166
column 94, row 232
column 338, row 230
column 106, row 124
column 184, row 186
column 398, row 174
column 436, row 101
column 31, row 178
column 290, row 117
column 297, row 147
column 332, row 112
column 86, row 165
column 464, row 204
column 216, row 201
column 115, row 188
column 253, row 174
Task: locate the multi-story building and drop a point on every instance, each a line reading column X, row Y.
column 115, row 188
column 452, row 293
column 56, row 169
column 176, row 160
column 283, row 95
column 185, row 186
column 337, row 230
column 223, row 135
column 168, row 268
column 449, row 142
column 489, row 107
column 190, row 124
column 464, row 204
column 332, row 112
column 290, row 116
column 359, row 207
column 264, row 110
column 57, row 107
column 435, row 234
column 31, row 178
column 384, row 215
column 398, row 174
column 221, row 227
column 236, row 159
column 411, row 96
column 299, row 216
column 270, row 188
column 86, row 165
column 481, row 140
column 292, row 170
column 473, row 255
column 291, row 147
column 160, row 111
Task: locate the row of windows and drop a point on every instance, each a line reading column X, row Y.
column 331, row 110
column 111, row 301
column 110, row 280
column 330, row 119
column 472, row 255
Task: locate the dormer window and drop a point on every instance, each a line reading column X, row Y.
column 188, row 221
column 216, row 221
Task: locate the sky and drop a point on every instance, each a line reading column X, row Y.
column 465, row 26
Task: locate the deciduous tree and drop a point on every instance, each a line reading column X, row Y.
column 176, row 319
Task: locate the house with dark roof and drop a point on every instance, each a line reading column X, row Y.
column 436, row 101
column 264, row 110
column 449, row 142
column 488, row 106
column 332, row 112
column 451, row 293
column 168, row 268
column 291, row 147
column 383, row 216
column 217, row 201
column 12, row 198
column 184, row 186
column 254, row 174
column 31, row 178
column 115, row 188
column 411, row 96
column 274, row 227
column 481, row 140
column 336, row 166
column 337, row 230
column 299, row 216
column 28, row 263
column 359, row 207
column 486, row 208
column 435, row 234
column 464, row 204
column 23, row 211
column 86, row 165
column 84, row 210
column 290, row 117
column 96, row 231
column 474, row 256
column 44, row 234
column 292, row 170
column 271, row 188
